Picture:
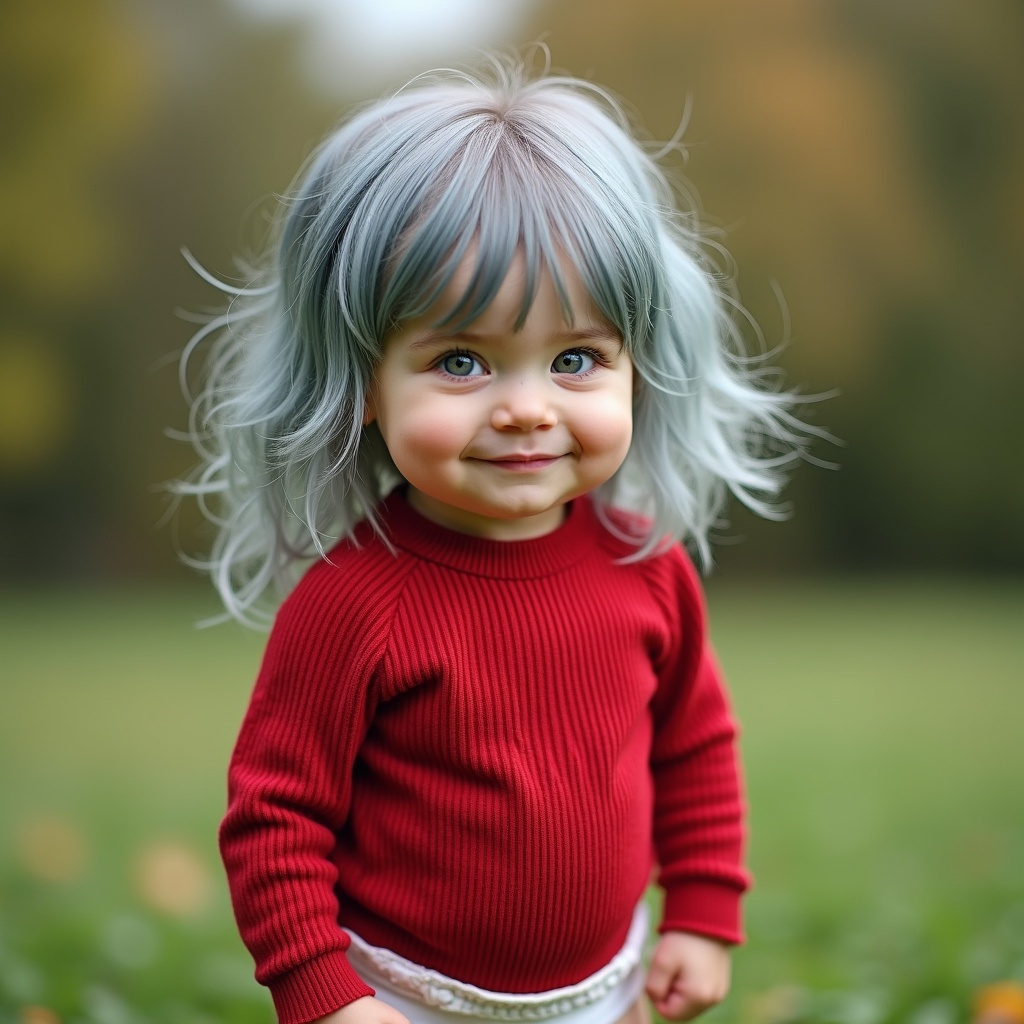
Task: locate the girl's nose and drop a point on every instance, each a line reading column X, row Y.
column 523, row 406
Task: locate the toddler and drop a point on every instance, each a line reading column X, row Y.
column 480, row 394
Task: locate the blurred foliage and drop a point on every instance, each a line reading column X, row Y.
column 75, row 88
column 136, row 128
column 868, row 155
column 865, row 154
column 74, row 85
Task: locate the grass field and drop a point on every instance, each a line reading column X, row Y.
column 884, row 743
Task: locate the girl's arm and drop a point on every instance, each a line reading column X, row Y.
column 289, row 796
column 699, row 809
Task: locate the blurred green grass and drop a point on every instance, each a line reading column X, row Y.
column 883, row 743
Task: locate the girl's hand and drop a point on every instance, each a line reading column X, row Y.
column 688, row 975
column 366, row 1010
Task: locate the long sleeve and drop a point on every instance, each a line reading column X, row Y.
column 289, row 795
column 699, row 807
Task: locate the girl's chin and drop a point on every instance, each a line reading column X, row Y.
column 492, row 519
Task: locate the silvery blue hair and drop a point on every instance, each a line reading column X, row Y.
column 380, row 218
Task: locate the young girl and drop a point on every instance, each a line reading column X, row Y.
column 489, row 707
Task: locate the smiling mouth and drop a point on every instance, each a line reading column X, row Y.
column 524, row 463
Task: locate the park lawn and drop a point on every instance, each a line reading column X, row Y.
column 883, row 733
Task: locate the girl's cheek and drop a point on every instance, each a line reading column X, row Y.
column 608, row 426
column 432, row 435
column 431, row 438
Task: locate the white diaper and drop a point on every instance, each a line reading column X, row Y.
column 429, row 997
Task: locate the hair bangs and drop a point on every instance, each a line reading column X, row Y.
column 509, row 192
column 475, row 215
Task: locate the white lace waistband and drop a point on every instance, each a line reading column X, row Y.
column 437, row 990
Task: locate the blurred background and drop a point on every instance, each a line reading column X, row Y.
column 867, row 156
column 863, row 157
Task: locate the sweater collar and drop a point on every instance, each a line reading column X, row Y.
column 412, row 532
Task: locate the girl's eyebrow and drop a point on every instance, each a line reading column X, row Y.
column 589, row 334
column 564, row 338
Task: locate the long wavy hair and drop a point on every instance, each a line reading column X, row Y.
column 483, row 166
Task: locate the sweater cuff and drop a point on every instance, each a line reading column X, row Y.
column 316, row 988
column 704, row 908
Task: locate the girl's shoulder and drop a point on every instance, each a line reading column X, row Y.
column 625, row 529
column 667, row 570
column 351, row 589
column 626, row 536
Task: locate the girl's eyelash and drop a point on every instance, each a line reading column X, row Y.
column 598, row 357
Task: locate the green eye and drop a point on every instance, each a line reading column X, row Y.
column 459, row 364
column 573, row 361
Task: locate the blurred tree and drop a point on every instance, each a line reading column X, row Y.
column 74, row 81
column 234, row 120
column 951, row 359
column 868, row 155
column 75, row 86
column 132, row 130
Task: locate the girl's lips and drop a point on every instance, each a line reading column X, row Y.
column 522, row 464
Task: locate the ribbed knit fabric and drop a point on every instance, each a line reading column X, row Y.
column 470, row 752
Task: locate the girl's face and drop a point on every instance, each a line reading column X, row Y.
column 495, row 429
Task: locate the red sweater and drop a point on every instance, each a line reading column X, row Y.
column 471, row 752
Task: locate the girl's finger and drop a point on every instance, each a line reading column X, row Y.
column 673, row 1006
column 659, row 981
